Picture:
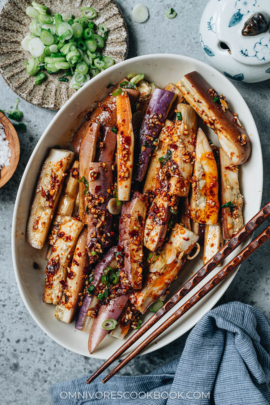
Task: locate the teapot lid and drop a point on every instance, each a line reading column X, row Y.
column 244, row 26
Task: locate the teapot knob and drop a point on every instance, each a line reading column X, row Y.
column 257, row 24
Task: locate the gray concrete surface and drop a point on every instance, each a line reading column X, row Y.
column 29, row 360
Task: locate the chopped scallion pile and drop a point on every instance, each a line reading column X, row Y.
column 60, row 42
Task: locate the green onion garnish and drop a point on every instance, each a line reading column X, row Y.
column 229, row 205
column 114, row 130
column 216, row 99
column 137, row 79
column 165, row 158
column 173, row 212
column 41, row 77
column 179, row 116
column 156, row 306
column 171, row 13
column 90, row 289
column 109, row 324
column 86, row 184
column 93, row 253
column 117, row 92
column 89, row 12
column 21, row 127
column 127, row 85
column 63, row 79
column 139, row 324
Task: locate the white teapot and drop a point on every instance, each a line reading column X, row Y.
column 235, row 36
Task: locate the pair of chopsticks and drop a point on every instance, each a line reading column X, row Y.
column 227, row 249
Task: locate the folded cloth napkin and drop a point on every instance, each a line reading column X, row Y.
column 226, row 361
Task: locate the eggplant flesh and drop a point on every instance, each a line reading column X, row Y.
column 90, row 302
column 107, row 147
column 62, row 251
column 131, row 228
column 154, row 119
column 47, row 195
column 204, row 197
column 232, row 214
column 79, row 269
column 100, row 179
column 166, row 268
column 110, row 311
column 212, row 241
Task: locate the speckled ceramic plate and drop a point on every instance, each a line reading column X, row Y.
column 14, row 25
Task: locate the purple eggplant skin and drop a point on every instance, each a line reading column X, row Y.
column 154, row 119
column 108, row 139
column 110, row 311
column 100, row 180
column 108, row 260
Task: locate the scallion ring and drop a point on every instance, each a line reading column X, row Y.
column 156, row 306
column 108, row 61
column 117, row 92
column 32, row 67
column 32, row 12
column 82, row 68
column 88, row 33
column 62, row 65
column 137, row 79
column 171, row 13
column 91, row 45
column 53, row 49
column 40, row 78
column 102, row 29
column 109, row 324
column 81, row 46
column 94, row 71
column 89, row 12
column 79, row 78
column 99, row 63
column 46, row 37
column 41, row 9
column 45, row 19
column 99, row 40
column 77, row 30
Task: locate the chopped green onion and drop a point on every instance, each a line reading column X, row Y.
column 216, row 99
column 102, row 28
column 229, row 205
column 171, row 13
column 91, row 25
column 41, row 59
column 32, row 12
column 51, row 68
column 131, row 75
column 179, row 116
column 79, row 78
column 127, row 85
column 109, row 324
column 15, row 114
column 26, row 41
column 89, row 12
column 53, row 48
column 36, row 47
column 45, row 19
column 91, row 45
column 47, row 38
column 86, row 185
column 70, row 22
column 88, row 33
column 139, row 324
column 93, row 253
column 40, row 78
column 67, row 48
column 41, row 9
column 99, row 41
column 54, row 59
column 47, row 51
column 63, row 79
column 65, row 36
column 99, row 63
column 81, row 45
column 63, row 29
column 82, row 68
column 62, row 65
column 156, row 306
column 165, row 158
column 114, row 130
column 77, row 30
column 32, row 67
column 108, row 61
column 90, row 289
column 137, row 79
column 73, row 56
column 116, row 92
column 49, row 27
column 36, row 27
column 173, row 212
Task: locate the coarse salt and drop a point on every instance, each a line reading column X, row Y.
column 5, row 152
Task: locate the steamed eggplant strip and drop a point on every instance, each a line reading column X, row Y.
column 166, row 268
column 87, row 155
column 76, row 209
column 155, row 117
column 179, row 97
column 213, row 241
column 199, row 230
column 107, row 147
column 157, row 221
column 110, row 311
column 184, row 149
column 47, row 195
column 232, row 214
column 56, row 270
column 145, row 93
column 67, row 200
column 77, row 139
column 215, row 112
column 76, row 274
column 185, row 215
column 125, row 147
column 123, row 326
column 204, row 197
column 153, row 183
column 91, row 303
column 99, row 220
column 131, row 228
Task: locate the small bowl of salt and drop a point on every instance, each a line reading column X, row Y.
column 9, row 150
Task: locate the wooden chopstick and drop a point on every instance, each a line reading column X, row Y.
column 216, row 280
column 225, row 251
